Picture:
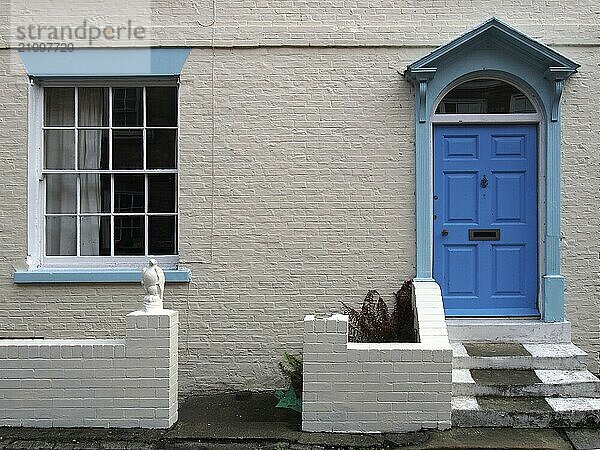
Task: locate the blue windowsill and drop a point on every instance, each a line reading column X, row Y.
column 93, row 276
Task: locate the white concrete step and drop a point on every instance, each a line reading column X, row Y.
column 525, row 412
column 566, row 356
column 524, row 383
column 508, row 330
column 506, row 373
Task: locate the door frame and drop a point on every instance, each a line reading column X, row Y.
column 494, row 48
column 539, row 119
column 497, row 119
column 550, row 281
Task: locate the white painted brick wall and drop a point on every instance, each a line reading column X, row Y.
column 129, row 382
column 413, row 23
column 314, row 171
column 388, row 387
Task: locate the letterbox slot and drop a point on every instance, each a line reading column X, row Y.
column 483, row 234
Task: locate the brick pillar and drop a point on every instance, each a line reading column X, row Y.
column 151, row 351
column 325, row 357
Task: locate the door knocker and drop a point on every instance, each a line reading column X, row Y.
column 484, row 182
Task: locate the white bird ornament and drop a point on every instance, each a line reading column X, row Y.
column 153, row 281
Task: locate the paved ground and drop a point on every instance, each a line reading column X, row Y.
column 244, row 421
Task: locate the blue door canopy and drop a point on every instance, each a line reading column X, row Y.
column 499, row 35
column 105, row 62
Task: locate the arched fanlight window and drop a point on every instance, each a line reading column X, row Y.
column 485, row 96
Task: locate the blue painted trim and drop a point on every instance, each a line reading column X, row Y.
column 93, row 276
column 534, row 68
column 558, row 88
column 553, row 287
column 423, row 280
column 420, row 77
column 424, row 209
column 103, row 62
column 552, row 282
column 424, row 248
column 499, row 31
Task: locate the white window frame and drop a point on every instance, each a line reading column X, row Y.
column 36, row 258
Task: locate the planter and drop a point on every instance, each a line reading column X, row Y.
column 373, row 388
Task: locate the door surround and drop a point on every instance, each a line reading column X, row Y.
column 496, row 50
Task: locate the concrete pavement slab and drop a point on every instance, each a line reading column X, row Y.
column 341, row 440
column 495, row 438
column 231, row 416
column 584, row 438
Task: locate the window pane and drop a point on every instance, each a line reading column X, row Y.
column 162, row 193
column 61, row 194
column 161, row 105
column 127, row 149
column 161, row 149
column 129, row 235
column 127, row 107
column 95, row 236
column 59, row 106
column 59, row 149
column 94, row 193
column 93, row 107
column 92, row 149
column 61, row 236
column 485, row 96
column 129, row 193
column 162, row 235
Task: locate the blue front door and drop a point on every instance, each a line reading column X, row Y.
column 485, row 219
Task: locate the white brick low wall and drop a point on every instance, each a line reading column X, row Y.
column 390, row 387
column 128, row 382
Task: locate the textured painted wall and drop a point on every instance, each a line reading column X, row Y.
column 307, row 196
column 581, row 203
column 307, row 209
column 300, row 22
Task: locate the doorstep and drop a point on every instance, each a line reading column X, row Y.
column 505, row 330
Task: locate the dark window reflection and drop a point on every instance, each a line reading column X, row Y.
column 127, row 149
column 127, row 107
column 162, row 231
column 485, row 96
column 161, row 104
column 59, row 149
column 161, row 193
column 129, row 235
column 129, row 193
column 59, row 107
column 161, row 149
